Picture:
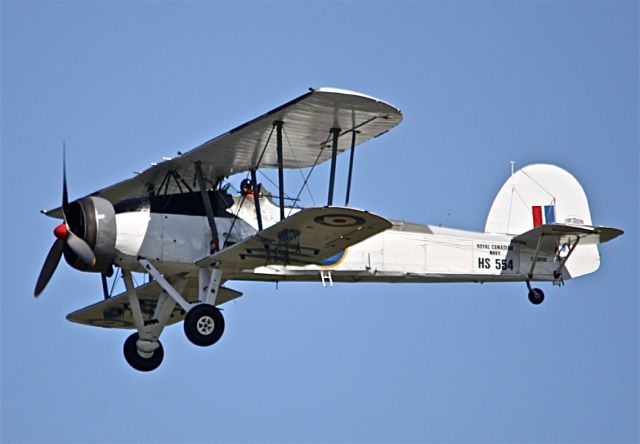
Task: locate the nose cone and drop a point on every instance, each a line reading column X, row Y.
column 61, row 232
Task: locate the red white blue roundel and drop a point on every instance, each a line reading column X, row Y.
column 333, row 260
column 339, row 220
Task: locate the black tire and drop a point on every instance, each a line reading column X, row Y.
column 536, row 296
column 139, row 362
column 204, row 325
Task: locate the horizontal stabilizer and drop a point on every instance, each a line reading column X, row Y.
column 304, row 238
column 550, row 235
column 116, row 313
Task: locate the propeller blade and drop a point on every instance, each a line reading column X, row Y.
column 65, row 196
column 50, row 264
column 64, row 236
column 81, row 249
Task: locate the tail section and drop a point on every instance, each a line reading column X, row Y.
column 540, row 195
column 535, row 195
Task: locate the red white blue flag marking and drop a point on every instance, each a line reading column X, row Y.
column 543, row 214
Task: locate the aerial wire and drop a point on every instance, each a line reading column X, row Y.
column 541, row 187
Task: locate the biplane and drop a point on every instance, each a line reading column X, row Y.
column 178, row 223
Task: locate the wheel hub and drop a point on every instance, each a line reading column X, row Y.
column 146, row 347
column 205, row 325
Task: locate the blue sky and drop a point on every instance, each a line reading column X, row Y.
column 479, row 83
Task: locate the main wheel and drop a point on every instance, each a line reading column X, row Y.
column 144, row 362
column 536, row 296
column 204, row 325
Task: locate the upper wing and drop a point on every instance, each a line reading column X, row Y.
column 307, row 119
column 307, row 237
column 548, row 236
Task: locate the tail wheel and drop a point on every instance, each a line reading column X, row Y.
column 144, row 362
column 536, row 296
column 204, row 325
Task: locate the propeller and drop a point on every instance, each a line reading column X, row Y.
column 64, row 236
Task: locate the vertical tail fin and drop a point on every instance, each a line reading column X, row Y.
column 543, row 194
column 535, row 195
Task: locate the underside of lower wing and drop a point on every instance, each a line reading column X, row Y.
column 115, row 312
column 307, row 237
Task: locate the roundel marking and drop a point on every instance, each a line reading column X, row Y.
column 339, row 220
column 334, row 260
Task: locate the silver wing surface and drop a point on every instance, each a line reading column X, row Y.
column 305, row 238
column 307, row 122
column 115, row 312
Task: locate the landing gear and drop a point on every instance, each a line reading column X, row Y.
column 536, row 296
column 204, row 325
column 143, row 361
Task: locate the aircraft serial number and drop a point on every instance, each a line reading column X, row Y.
column 499, row 264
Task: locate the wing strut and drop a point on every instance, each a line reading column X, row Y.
column 105, row 287
column 535, row 256
column 278, row 125
column 353, row 147
column 557, row 275
column 256, row 197
column 335, row 132
column 215, row 242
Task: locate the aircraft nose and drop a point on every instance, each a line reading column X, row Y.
column 61, row 232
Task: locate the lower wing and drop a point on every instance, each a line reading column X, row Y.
column 307, row 237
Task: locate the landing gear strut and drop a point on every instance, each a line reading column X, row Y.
column 536, row 296
column 143, row 361
column 203, row 323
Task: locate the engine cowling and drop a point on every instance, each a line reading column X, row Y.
column 94, row 220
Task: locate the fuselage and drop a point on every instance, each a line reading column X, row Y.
column 407, row 252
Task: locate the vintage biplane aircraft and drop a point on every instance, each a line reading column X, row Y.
column 178, row 223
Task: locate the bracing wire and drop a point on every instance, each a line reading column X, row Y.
column 113, row 283
column 235, row 218
column 300, row 170
column 286, row 196
column 243, row 198
column 513, row 191
column 307, row 178
column 265, row 147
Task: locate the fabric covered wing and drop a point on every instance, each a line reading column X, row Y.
column 307, row 122
column 305, row 238
column 116, row 313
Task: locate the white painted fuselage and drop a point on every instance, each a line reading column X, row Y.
column 405, row 253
